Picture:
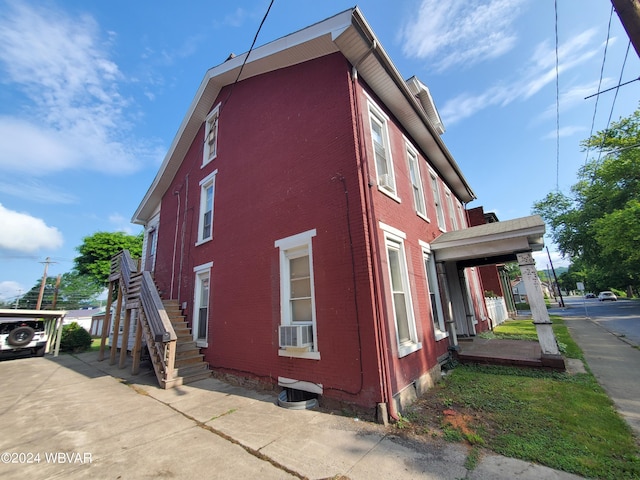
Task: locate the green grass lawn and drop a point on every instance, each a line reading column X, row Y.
column 564, row 421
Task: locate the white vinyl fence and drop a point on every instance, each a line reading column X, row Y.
column 497, row 309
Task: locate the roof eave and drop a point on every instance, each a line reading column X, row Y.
column 320, row 39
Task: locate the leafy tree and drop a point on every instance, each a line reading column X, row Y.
column 513, row 269
column 96, row 252
column 598, row 222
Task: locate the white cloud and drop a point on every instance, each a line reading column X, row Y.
column 542, row 259
column 75, row 115
column 22, row 232
column 458, row 33
column 564, row 132
column 10, row 289
column 36, row 191
column 539, row 73
column 121, row 224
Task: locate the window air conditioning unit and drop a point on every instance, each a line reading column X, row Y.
column 297, row 336
column 386, row 181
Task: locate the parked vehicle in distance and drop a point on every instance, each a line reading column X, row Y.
column 607, row 295
column 590, row 295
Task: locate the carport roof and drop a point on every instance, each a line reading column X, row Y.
column 7, row 313
column 492, row 242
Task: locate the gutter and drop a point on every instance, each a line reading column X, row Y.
column 363, row 27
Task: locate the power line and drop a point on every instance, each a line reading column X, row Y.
column 624, row 63
column 617, row 86
column 604, row 57
column 557, row 101
column 247, row 56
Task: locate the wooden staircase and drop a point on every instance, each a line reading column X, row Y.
column 189, row 362
column 174, row 354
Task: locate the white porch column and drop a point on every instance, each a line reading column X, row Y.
column 548, row 344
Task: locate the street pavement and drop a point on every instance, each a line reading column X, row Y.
column 73, row 417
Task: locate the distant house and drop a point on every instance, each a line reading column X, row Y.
column 82, row 317
column 309, row 222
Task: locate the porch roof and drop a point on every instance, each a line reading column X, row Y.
column 490, row 243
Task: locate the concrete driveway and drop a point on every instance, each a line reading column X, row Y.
column 73, row 417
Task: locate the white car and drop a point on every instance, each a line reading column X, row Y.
column 607, row 295
column 19, row 335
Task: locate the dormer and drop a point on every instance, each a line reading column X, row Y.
column 421, row 92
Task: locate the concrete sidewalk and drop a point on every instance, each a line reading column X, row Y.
column 73, row 417
column 615, row 364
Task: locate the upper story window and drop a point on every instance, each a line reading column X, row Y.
column 435, row 189
column 452, row 212
column 205, row 222
column 381, row 151
column 297, row 331
column 416, row 182
column 210, row 149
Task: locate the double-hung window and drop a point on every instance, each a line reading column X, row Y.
column 416, row 182
column 435, row 189
column 452, row 212
column 297, row 331
column 433, row 290
column 381, row 151
column 202, row 292
column 210, row 150
column 402, row 306
column 205, row 222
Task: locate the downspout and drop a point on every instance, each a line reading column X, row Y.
column 381, row 332
column 175, row 244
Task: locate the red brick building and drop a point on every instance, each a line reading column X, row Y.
column 293, row 216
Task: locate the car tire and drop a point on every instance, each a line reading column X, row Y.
column 21, row 336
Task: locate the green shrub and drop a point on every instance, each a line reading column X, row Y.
column 523, row 306
column 74, row 338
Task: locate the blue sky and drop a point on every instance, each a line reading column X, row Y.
column 93, row 92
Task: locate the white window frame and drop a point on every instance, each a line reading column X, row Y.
column 437, row 200
column 208, row 182
column 394, row 239
column 290, row 248
column 461, row 216
column 385, row 180
column 150, row 244
column 210, row 149
column 201, row 272
column 452, row 211
column 413, row 162
column 431, row 277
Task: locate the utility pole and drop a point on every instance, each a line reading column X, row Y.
column 55, row 292
column 629, row 13
column 44, row 281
